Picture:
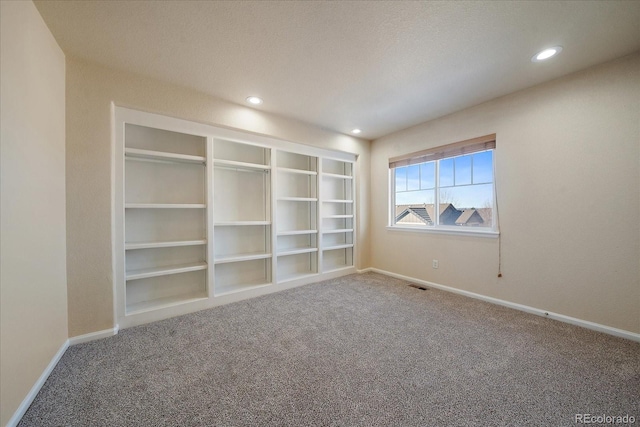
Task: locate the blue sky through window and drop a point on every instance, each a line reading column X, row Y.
column 466, row 181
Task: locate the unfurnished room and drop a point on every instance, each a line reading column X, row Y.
column 319, row 213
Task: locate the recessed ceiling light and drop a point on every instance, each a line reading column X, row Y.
column 356, row 131
column 254, row 100
column 546, row 54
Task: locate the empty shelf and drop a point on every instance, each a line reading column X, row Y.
column 240, row 257
column 240, row 165
column 335, row 175
column 297, row 251
column 240, row 223
column 167, row 244
column 296, row 232
column 300, row 171
column 164, row 271
column 165, row 205
column 136, row 153
column 340, row 230
column 298, row 199
column 331, row 248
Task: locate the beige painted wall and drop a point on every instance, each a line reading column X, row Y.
column 90, row 90
column 33, row 288
column 568, row 174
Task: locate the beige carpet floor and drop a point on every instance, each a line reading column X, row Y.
column 361, row 350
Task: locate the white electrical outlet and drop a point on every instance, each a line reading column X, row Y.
column 435, row 263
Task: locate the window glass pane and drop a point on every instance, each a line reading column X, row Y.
column 468, row 206
column 463, row 170
column 427, row 175
column 415, row 207
column 483, row 167
column 463, row 198
column 401, row 179
column 419, row 197
column 446, row 172
column 413, row 177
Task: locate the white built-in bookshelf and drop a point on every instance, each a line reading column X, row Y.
column 165, row 230
column 337, row 213
column 242, row 216
column 205, row 216
column 297, row 210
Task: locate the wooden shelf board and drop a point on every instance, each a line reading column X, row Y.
column 341, row 230
column 164, row 271
column 337, row 201
column 298, row 199
column 332, row 248
column 297, row 251
column 298, row 171
column 136, row 153
column 240, row 223
column 336, row 175
column 166, row 302
column 165, row 206
column 296, row 232
column 240, row 165
column 167, row 244
column 242, row 257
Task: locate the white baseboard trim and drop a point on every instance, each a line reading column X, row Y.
column 17, row 416
column 543, row 313
column 28, row 400
column 94, row 336
column 365, row 270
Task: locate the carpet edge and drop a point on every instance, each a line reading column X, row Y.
column 609, row 330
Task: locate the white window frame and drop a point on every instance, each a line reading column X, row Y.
column 437, row 228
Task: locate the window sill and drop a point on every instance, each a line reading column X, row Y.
column 450, row 231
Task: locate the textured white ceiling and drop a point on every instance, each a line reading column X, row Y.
column 381, row 66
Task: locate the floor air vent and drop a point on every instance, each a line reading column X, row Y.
column 422, row 288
